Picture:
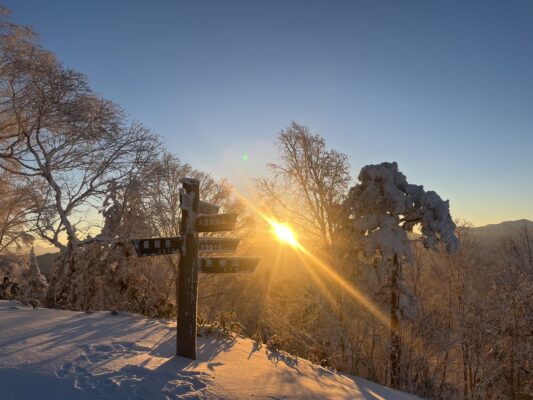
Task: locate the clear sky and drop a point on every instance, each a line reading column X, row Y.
column 443, row 88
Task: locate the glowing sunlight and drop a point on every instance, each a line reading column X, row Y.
column 284, row 233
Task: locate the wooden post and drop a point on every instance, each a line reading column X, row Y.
column 187, row 284
column 187, row 245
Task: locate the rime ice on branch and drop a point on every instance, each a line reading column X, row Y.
column 383, row 207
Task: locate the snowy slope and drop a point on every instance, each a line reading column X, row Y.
column 53, row 354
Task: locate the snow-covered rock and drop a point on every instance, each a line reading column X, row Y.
column 56, row 354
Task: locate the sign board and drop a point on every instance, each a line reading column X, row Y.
column 197, row 216
column 222, row 265
column 157, row 246
column 216, row 222
column 217, row 245
column 206, row 208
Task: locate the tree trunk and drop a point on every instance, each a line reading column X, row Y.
column 395, row 352
column 465, row 369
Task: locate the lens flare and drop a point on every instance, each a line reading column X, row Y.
column 325, row 271
column 284, row 233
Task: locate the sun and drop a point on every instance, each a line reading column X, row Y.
column 284, row 233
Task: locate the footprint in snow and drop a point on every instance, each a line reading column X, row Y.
column 131, row 381
column 63, row 370
column 134, row 382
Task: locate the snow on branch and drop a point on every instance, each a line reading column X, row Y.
column 383, row 207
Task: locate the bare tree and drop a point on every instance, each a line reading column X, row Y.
column 70, row 145
column 15, row 221
column 56, row 132
column 309, row 183
column 160, row 192
column 148, row 205
column 512, row 347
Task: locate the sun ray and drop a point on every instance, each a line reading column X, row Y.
column 329, row 273
column 323, row 266
column 346, row 286
column 332, row 302
column 272, row 273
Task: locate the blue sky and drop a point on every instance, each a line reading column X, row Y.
column 443, row 88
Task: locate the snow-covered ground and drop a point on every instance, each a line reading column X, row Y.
column 53, row 354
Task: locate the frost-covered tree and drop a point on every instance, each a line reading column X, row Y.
column 382, row 209
column 105, row 272
column 33, row 283
column 105, row 275
column 510, row 349
column 15, row 224
column 306, row 187
column 308, row 184
column 69, row 143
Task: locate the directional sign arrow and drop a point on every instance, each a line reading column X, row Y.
column 224, row 265
column 216, row 222
column 172, row 245
column 157, row 246
column 217, row 245
column 207, row 208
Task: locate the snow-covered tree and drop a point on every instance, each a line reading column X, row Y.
column 382, row 209
column 33, row 282
column 105, row 272
column 69, row 144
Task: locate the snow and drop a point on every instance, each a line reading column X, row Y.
column 52, row 354
column 384, row 207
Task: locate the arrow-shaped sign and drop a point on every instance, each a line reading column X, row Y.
column 221, row 265
column 171, row 245
column 206, row 208
column 217, row 245
column 216, row 222
column 157, row 246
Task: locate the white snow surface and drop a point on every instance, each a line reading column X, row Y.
column 56, row 354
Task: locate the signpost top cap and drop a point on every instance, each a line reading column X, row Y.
column 189, row 181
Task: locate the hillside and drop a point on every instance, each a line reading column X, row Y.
column 45, row 264
column 12, row 265
column 490, row 235
column 66, row 354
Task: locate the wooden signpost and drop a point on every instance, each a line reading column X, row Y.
column 196, row 216
column 224, row 265
column 172, row 245
column 207, row 208
column 157, row 247
column 216, row 222
column 217, row 245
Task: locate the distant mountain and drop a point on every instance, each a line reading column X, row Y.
column 44, row 249
column 490, row 235
column 12, row 265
